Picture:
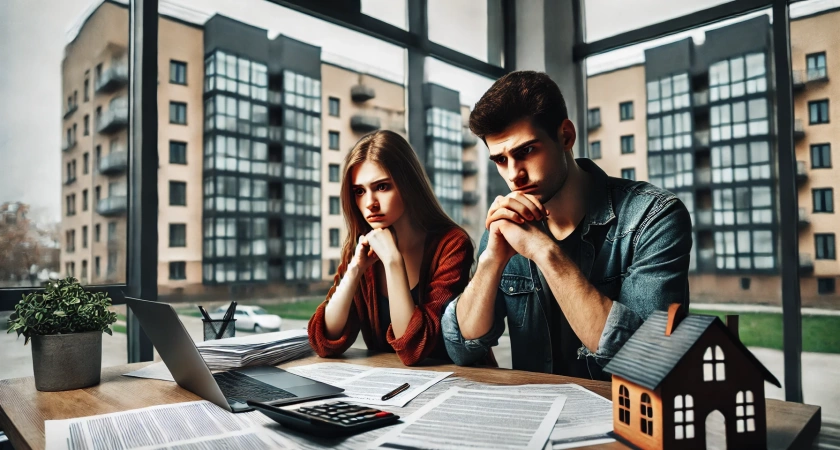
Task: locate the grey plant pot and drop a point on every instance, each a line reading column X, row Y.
column 67, row 361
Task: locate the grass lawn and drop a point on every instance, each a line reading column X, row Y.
column 118, row 328
column 819, row 333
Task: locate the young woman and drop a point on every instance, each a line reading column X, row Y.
column 403, row 260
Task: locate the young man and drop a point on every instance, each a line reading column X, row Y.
column 575, row 260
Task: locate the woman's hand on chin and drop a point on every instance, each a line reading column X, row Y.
column 384, row 244
column 364, row 256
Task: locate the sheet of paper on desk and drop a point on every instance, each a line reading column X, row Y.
column 585, row 420
column 198, row 424
column 466, row 418
column 370, row 384
column 156, row 371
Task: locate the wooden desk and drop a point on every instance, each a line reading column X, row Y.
column 23, row 409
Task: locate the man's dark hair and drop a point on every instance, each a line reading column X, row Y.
column 516, row 96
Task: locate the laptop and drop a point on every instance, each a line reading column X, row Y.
column 229, row 389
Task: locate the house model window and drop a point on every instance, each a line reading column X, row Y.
column 624, row 404
column 745, row 411
column 713, row 365
column 647, row 415
column 684, row 417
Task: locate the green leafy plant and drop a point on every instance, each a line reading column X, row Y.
column 63, row 307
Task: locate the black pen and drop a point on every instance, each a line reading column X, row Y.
column 396, row 391
column 228, row 315
column 208, row 319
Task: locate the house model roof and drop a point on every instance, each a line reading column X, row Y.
column 649, row 355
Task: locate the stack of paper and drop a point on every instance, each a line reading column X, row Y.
column 267, row 349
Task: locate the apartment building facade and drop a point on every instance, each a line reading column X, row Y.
column 699, row 121
column 252, row 136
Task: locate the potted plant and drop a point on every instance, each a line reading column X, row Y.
column 65, row 323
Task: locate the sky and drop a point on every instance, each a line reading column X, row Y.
column 33, row 34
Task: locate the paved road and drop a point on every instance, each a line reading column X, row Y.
column 820, row 371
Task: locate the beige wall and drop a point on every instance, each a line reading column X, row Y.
column 606, row 91
column 813, row 35
column 184, row 43
column 104, row 38
column 388, row 104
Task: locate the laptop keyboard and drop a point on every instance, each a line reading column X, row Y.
column 238, row 388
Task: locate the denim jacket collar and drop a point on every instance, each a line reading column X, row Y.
column 600, row 210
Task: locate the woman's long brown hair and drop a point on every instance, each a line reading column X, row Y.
column 394, row 154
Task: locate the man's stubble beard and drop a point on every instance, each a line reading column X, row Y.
column 545, row 198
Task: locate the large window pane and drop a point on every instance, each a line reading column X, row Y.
column 605, row 18
column 472, row 27
column 390, row 11
column 65, row 135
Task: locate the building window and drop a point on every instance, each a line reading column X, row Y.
column 816, row 66
column 683, row 417
column 86, row 163
column 178, row 113
column 629, row 174
column 714, row 368
column 823, row 200
column 334, row 237
column 97, row 194
column 745, row 283
column 821, row 156
column 178, row 270
column 595, row 150
column 112, row 262
column 824, row 245
column 177, row 152
column 825, row 286
column 624, row 404
column 112, row 231
column 333, row 266
column 84, row 200
column 335, row 206
column 333, row 140
column 594, row 117
column 744, row 411
column 334, row 173
column 71, row 204
column 646, row 410
column 177, row 235
column 97, row 233
column 87, row 125
column 625, row 111
column 97, row 267
column 177, row 193
column 818, row 112
column 84, row 236
column 177, row 72
column 87, row 87
column 70, row 236
column 335, row 106
column 628, row 144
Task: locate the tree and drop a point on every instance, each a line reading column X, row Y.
column 19, row 247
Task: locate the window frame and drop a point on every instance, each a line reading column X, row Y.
column 592, row 146
column 628, row 170
column 173, row 74
column 631, row 138
column 334, row 101
column 173, row 230
column 330, row 135
column 183, row 145
column 825, row 246
column 825, row 158
column 819, row 119
column 631, row 114
column 179, row 184
column 173, row 117
column 828, row 207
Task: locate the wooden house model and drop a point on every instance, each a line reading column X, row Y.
column 685, row 382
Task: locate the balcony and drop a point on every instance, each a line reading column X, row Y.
column 68, row 146
column 806, row 263
column 112, row 79
column 275, row 247
column 69, row 181
column 801, row 172
column 362, row 93
column 701, row 98
column 470, row 197
column 703, row 217
column 275, row 169
column 112, row 206
column 275, row 98
column 798, row 129
column 701, row 139
column 69, row 112
column 114, row 163
column 468, row 139
column 704, row 176
column 798, row 78
column 804, row 220
column 469, row 168
column 275, row 206
column 365, row 123
column 114, row 120
column 275, row 133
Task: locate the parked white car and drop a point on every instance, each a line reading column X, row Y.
column 251, row 318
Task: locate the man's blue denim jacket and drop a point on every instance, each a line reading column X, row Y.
column 642, row 266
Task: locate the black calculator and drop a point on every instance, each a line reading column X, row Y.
column 328, row 419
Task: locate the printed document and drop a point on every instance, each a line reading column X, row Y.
column 467, row 418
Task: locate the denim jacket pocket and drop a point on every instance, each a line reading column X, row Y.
column 517, row 291
column 609, row 287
